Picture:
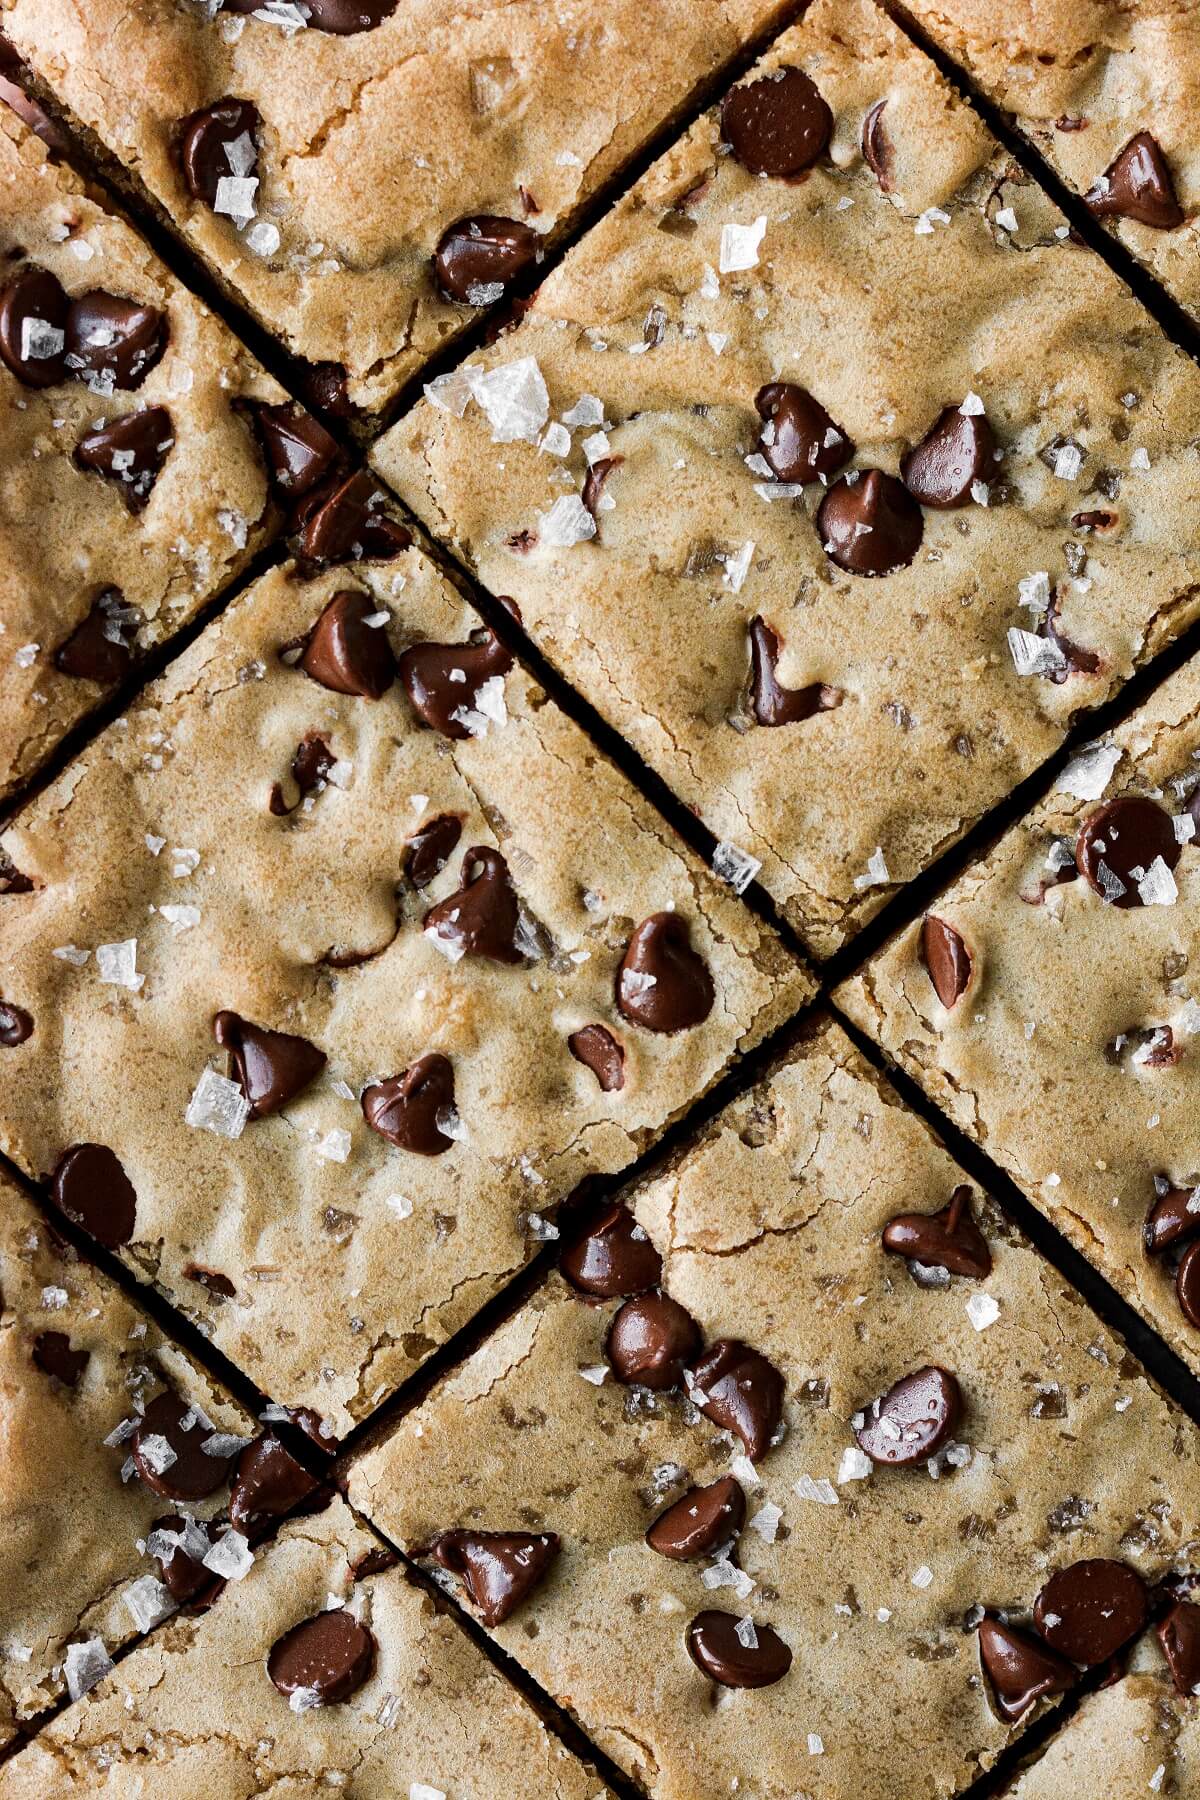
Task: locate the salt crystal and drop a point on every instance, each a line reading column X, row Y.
column 740, row 245
column 596, row 447
column 823, row 1492
column 982, row 1310
column 737, row 567
column 877, row 871
column 556, row 440
column 1068, row 460
column 722, row 1573
column 230, row 1557
column 587, row 410
column 1185, row 828
column 449, row 393
column 883, row 1614
column 400, row 1205
column 84, row 1665
column 262, row 237
column 744, row 1469
column 180, row 918
column 1006, row 219
column 54, row 1298
column 734, row 865
column 156, row 1453
column 766, row 1522
column 71, row 953
column 922, row 1577
column 1157, row 886
column 334, row 1146
column 1140, row 458
column 568, row 522
column 305, row 1699
column 854, row 1466
column 1087, row 775
column 746, row 1635
column 147, row 1602
column 540, row 1229
column 1034, row 591
column 816, row 1746
column 1111, row 886
column 513, row 398
column 421, row 1790
column 217, row 1105
column 1033, row 655
column 40, row 340
column 224, row 1444
column 117, row 964
column 596, row 1373
column 235, row 196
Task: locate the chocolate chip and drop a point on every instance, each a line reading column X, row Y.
column 663, row 984
column 869, row 524
column 478, row 255
column 946, row 959
column 912, row 1421
column 189, row 1472
column 1077, row 659
column 270, row 1067
column 949, row 1239
column 100, row 647
column 1138, row 185
column 347, row 655
column 614, row 1257
column 324, row 385
column 799, row 439
column 500, row 1569
column 955, row 453
column 703, row 1519
column 442, row 680
column 23, row 104
column 1021, row 1670
column 410, row 1109
column 1094, row 521
column 346, row 18
column 1179, row 1635
column 430, row 849
column 12, row 880
column 774, row 704
column 594, row 480
column 481, row 917
column 211, row 1280
column 93, row 1190
column 877, row 147
column 52, row 1352
column 300, row 452
column 758, row 1658
column 311, row 763
column 268, row 1483
column 373, row 1562
column 187, row 1581
column 16, row 1025
column 33, row 322
column 777, row 125
column 1088, row 1610
column 130, row 450
column 205, row 139
column 598, row 1050
column 344, row 521
column 1187, row 1284
column 1127, row 834
column 108, row 336
column 1174, row 1216
column 650, row 1340
column 328, row 1657
column 742, row 1392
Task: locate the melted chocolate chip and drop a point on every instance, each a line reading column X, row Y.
column 799, row 439
column 946, row 959
column 912, row 1421
column 475, row 256
column 869, row 524
column 949, row 1239
column 205, row 140
column 187, row 1581
column 346, row 18
column 52, row 1352
column 598, row 1050
column 1088, row 1610
column 877, row 147
column 99, row 648
column 430, row 849
column 773, row 704
column 407, row 1108
column 324, row 386
column 1077, row 659
column 168, row 1451
column 93, row 1190
column 347, row 655
column 481, row 917
column 268, row 1483
column 270, row 1067
column 955, row 453
column 210, row 1279
column 594, row 480
column 329, row 1656
column 663, row 984
column 300, row 452
column 649, row 1341
column 110, row 337
column 311, row 763
column 16, row 1025
column 130, row 450
column 343, row 520
column 33, row 321
column 500, row 1569
column 1174, row 1216
column 703, row 1519
column 614, row 1257
column 743, row 1392
column 1187, row 1284
column 1021, row 1670
column 443, row 679
column 1138, row 185
column 716, row 1649
column 777, row 125
column 1179, row 1635
column 1127, row 834
column 373, row 1562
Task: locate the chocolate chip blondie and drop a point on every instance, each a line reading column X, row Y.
column 366, row 176
column 1141, row 1733
column 1045, row 1001
column 337, row 962
column 132, row 483
column 322, row 1669
column 810, row 1412
column 830, row 468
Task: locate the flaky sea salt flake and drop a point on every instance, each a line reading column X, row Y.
column 513, row 398
column 735, row 866
column 84, row 1665
column 117, row 964
column 1087, row 775
column 823, row 1491
column 147, row 1602
column 217, row 1105
column 1157, row 886
column 982, row 1310
column 740, row 244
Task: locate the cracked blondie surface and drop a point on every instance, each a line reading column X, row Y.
column 80, row 1370
column 1140, row 1732
column 839, row 491
column 343, row 957
column 406, row 163
column 1107, row 90
column 132, row 488
column 855, row 1535
column 400, row 1702
column 1046, row 1004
